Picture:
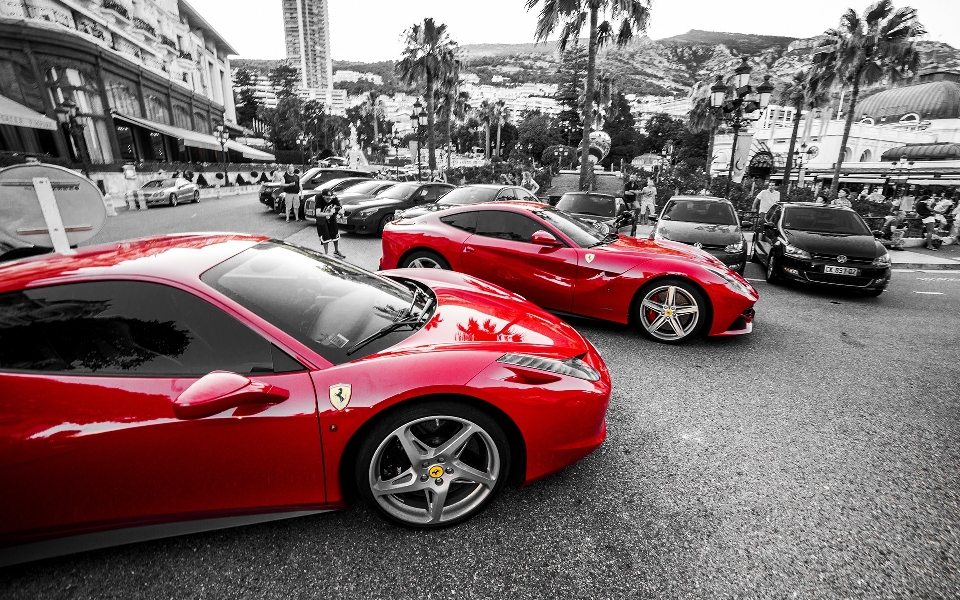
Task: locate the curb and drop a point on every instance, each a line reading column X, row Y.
column 926, row 267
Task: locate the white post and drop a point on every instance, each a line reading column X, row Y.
column 51, row 214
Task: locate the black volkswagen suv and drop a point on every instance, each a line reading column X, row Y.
column 823, row 245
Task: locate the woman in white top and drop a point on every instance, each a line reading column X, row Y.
column 529, row 184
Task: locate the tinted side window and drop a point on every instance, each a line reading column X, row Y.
column 507, row 194
column 773, row 215
column 126, row 328
column 507, row 225
column 466, row 221
column 523, row 194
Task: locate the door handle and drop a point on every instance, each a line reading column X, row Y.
column 468, row 248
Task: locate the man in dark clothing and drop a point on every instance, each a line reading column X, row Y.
column 926, row 215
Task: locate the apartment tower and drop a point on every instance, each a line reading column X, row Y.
column 306, row 28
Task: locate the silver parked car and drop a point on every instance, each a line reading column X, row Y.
column 170, row 191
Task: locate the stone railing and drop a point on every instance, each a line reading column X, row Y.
column 168, row 42
column 116, row 7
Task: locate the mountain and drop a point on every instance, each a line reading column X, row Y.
column 741, row 43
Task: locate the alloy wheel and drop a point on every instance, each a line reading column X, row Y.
column 669, row 313
column 434, row 470
column 424, row 262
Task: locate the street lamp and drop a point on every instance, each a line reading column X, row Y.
column 418, row 118
column 742, row 107
column 902, row 166
column 302, row 140
column 397, row 141
column 67, row 115
column 223, row 136
column 666, row 158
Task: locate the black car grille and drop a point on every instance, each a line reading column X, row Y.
column 851, row 260
column 838, row 279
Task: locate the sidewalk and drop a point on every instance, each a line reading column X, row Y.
column 946, row 258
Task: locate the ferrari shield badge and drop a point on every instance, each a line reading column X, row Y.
column 340, row 395
column 697, row 245
column 589, row 258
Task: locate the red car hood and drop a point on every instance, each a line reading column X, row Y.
column 471, row 312
column 628, row 252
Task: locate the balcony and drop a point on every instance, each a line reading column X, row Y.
column 144, row 26
column 168, row 43
column 116, row 8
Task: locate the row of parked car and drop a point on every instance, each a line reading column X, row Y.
column 800, row 242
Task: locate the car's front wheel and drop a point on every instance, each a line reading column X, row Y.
column 383, row 224
column 424, row 259
column 196, row 196
column 671, row 311
column 773, row 271
column 433, row 465
column 172, row 201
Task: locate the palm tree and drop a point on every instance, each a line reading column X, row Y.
column 803, row 91
column 493, row 113
column 621, row 18
column 703, row 117
column 429, row 55
column 373, row 106
column 865, row 50
column 451, row 103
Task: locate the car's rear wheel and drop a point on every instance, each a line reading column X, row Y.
column 424, row 259
column 172, row 201
column 671, row 311
column 773, row 271
column 433, row 465
column 196, row 196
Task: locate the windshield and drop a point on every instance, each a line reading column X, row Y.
column 366, row 187
column 700, row 211
column 160, row 183
column 325, row 304
column 579, row 232
column 401, row 191
column 469, row 195
column 824, row 220
column 589, row 204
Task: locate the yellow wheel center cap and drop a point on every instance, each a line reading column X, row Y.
column 668, row 312
column 435, row 471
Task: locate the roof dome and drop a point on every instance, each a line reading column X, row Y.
column 934, row 100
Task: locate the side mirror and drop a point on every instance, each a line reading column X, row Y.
column 545, row 238
column 221, row 390
column 746, row 224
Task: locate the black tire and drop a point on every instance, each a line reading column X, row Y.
column 691, row 322
column 172, row 200
column 753, row 252
column 196, row 197
column 424, row 257
column 383, row 224
column 773, row 271
column 466, row 476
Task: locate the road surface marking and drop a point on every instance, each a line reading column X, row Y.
column 748, row 279
column 930, row 293
column 937, row 279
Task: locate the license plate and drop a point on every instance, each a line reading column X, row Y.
column 342, row 220
column 841, row 270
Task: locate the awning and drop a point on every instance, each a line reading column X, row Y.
column 190, row 138
column 18, row 115
column 251, row 153
column 862, row 179
column 939, row 151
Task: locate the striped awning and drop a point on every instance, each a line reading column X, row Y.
column 18, row 115
column 251, row 153
column 190, row 138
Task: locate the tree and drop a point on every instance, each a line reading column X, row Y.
column 864, row 50
column 373, row 107
column 429, row 55
column 621, row 18
column 662, row 128
column 285, row 80
column 703, row 119
column 573, row 65
column 803, row 91
column 451, row 103
column 621, row 126
column 245, row 99
column 534, row 133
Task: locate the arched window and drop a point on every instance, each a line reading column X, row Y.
column 847, row 154
column 867, row 120
column 157, row 109
column 200, row 123
column 866, row 156
column 122, row 98
column 910, row 119
column 181, row 117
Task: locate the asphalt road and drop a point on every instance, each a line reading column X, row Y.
column 816, row 458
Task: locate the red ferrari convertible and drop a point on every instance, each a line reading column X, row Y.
column 671, row 291
column 189, row 382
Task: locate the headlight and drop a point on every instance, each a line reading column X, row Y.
column 794, row 252
column 363, row 214
column 882, row 261
column 572, row 367
column 731, row 280
column 732, row 248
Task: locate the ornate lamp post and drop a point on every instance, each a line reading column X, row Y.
column 396, row 142
column 67, row 115
column 666, row 158
column 418, row 118
column 302, row 140
column 223, row 136
column 741, row 108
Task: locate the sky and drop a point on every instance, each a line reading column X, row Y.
column 370, row 30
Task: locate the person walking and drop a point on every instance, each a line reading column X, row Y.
column 291, row 194
column 648, row 201
column 527, row 182
column 328, row 208
column 766, row 198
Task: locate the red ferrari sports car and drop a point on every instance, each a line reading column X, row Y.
column 672, row 291
column 196, row 381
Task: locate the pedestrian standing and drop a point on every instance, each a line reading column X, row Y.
column 291, row 194
column 631, row 196
column 648, row 201
column 328, row 209
column 876, row 197
column 527, row 182
column 766, row 198
column 925, row 213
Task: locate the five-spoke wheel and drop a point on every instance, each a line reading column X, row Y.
column 172, row 200
column 671, row 311
column 433, row 464
column 424, row 259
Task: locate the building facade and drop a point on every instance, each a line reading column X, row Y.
column 306, row 29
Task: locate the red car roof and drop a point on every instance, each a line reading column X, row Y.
column 176, row 256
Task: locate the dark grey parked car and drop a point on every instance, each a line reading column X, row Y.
column 471, row 194
column 371, row 215
column 606, row 213
column 708, row 223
